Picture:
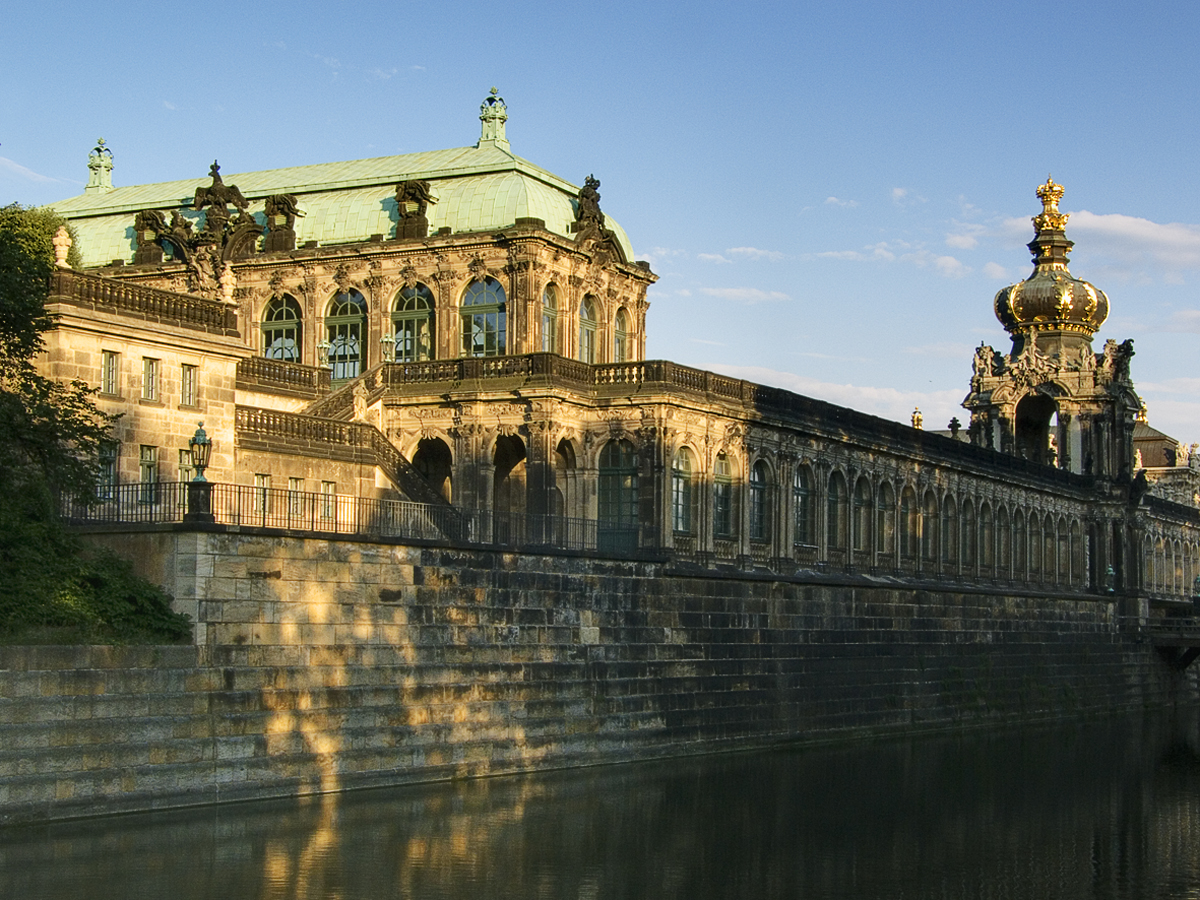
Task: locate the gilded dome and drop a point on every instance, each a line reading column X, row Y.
column 1051, row 298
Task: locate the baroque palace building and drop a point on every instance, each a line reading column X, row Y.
column 450, row 346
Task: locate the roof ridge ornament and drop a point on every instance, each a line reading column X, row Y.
column 1050, row 218
column 100, row 163
column 493, row 113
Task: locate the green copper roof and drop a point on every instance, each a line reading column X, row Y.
column 477, row 189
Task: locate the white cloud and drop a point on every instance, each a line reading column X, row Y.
column 951, row 267
column 995, row 271
column 834, row 201
column 169, row 105
column 712, row 257
column 417, row 68
column 961, row 241
column 18, row 169
column 745, row 295
column 904, row 197
column 1175, row 245
column 899, row 194
column 383, row 74
column 755, row 253
column 936, row 406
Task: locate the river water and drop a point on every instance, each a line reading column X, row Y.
column 1107, row 809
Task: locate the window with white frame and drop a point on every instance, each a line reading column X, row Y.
column 189, row 383
column 148, row 473
column 149, row 378
column 682, row 474
column 109, row 368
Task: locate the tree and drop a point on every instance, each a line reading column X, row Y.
column 50, row 438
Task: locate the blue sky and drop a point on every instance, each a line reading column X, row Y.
column 831, row 193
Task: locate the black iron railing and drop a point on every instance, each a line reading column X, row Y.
column 341, row 514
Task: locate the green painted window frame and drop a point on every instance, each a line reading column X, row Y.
column 484, row 319
column 413, row 324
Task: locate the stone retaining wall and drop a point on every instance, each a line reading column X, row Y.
column 324, row 665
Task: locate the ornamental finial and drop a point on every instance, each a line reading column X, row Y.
column 1050, row 218
column 493, row 113
column 100, row 163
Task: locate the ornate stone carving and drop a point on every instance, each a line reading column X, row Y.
column 412, row 200
column 478, row 268
column 281, row 211
column 149, row 226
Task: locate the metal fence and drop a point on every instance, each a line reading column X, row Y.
column 319, row 513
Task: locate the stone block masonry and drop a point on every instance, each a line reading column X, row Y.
column 327, row 665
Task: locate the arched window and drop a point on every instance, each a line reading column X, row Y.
column 929, row 522
column 758, row 501
column 837, row 523
column 987, row 536
column 887, row 524
column 412, row 319
column 484, row 320
column 618, row 496
column 1064, row 552
column 621, row 337
column 550, row 319
column 949, row 533
column 1019, row 545
column 345, row 324
column 722, row 496
column 281, row 329
column 682, row 472
column 1035, row 546
column 861, row 525
column 587, row 329
column 1004, row 543
column 910, row 524
column 1049, row 548
column 803, row 508
column 969, row 536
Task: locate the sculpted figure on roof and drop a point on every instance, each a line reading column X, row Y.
column 412, row 200
column 217, row 197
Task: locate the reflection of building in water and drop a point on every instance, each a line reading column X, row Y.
column 462, row 326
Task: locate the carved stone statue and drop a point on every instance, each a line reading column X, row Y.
column 360, row 402
column 984, row 360
column 588, row 211
column 918, row 420
column 1124, row 354
column 413, row 199
column 148, row 228
column 281, row 211
column 1194, row 456
column 217, row 197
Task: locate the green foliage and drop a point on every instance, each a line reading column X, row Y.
column 51, row 585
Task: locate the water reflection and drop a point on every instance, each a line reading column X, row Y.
column 1105, row 810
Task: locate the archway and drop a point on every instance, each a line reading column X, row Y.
column 1033, row 427
column 435, row 464
column 508, row 489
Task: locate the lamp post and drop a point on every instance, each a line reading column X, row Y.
column 323, row 350
column 199, row 500
column 389, row 347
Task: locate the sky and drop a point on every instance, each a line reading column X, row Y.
column 831, row 193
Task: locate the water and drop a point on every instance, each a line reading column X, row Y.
column 1101, row 810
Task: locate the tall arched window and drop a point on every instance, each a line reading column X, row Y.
column 618, row 495
column 682, row 472
column 1020, row 544
column 861, row 525
column 949, row 533
column 1004, row 543
column 587, row 329
column 621, row 337
column 345, row 324
column 281, row 329
column 722, row 496
column 910, row 524
column 929, row 522
column 837, row 522
column 1035, row 546
column 412, row 319
column 802, row 502
column 987, row 536
column 759, row 478
column 887, row 524
column 484, row 319
column 969, row 537
column 550, row 320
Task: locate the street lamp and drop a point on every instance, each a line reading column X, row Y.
column 199, row 495
column 389, row 348
column 323, row 350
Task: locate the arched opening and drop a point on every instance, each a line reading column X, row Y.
column 987, row 537
column 949, row 534
column 1019, row 544
column 621, row 337
column 887, row 525
column 618, row 497
column 1076, row 575
column 683, row 471
column 587, row 329
column 722, row 497
column 969, row 536
column 484, row 319
column 435, row 463
column 803, row 507
column 861, row 525
column 345, row 324
column 508, row 489
column 565, row 498
column 1003, row 543
column 1033, row 416
column 1035, row 547
column 550, row 320
column 910, row 525
column 281, row 329
column 412, row 322
column 837, row 524
column 929, row 522
column 759, row 478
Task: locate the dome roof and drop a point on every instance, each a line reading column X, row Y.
column 1051, row 298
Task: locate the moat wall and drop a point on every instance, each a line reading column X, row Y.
column 325, row 665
